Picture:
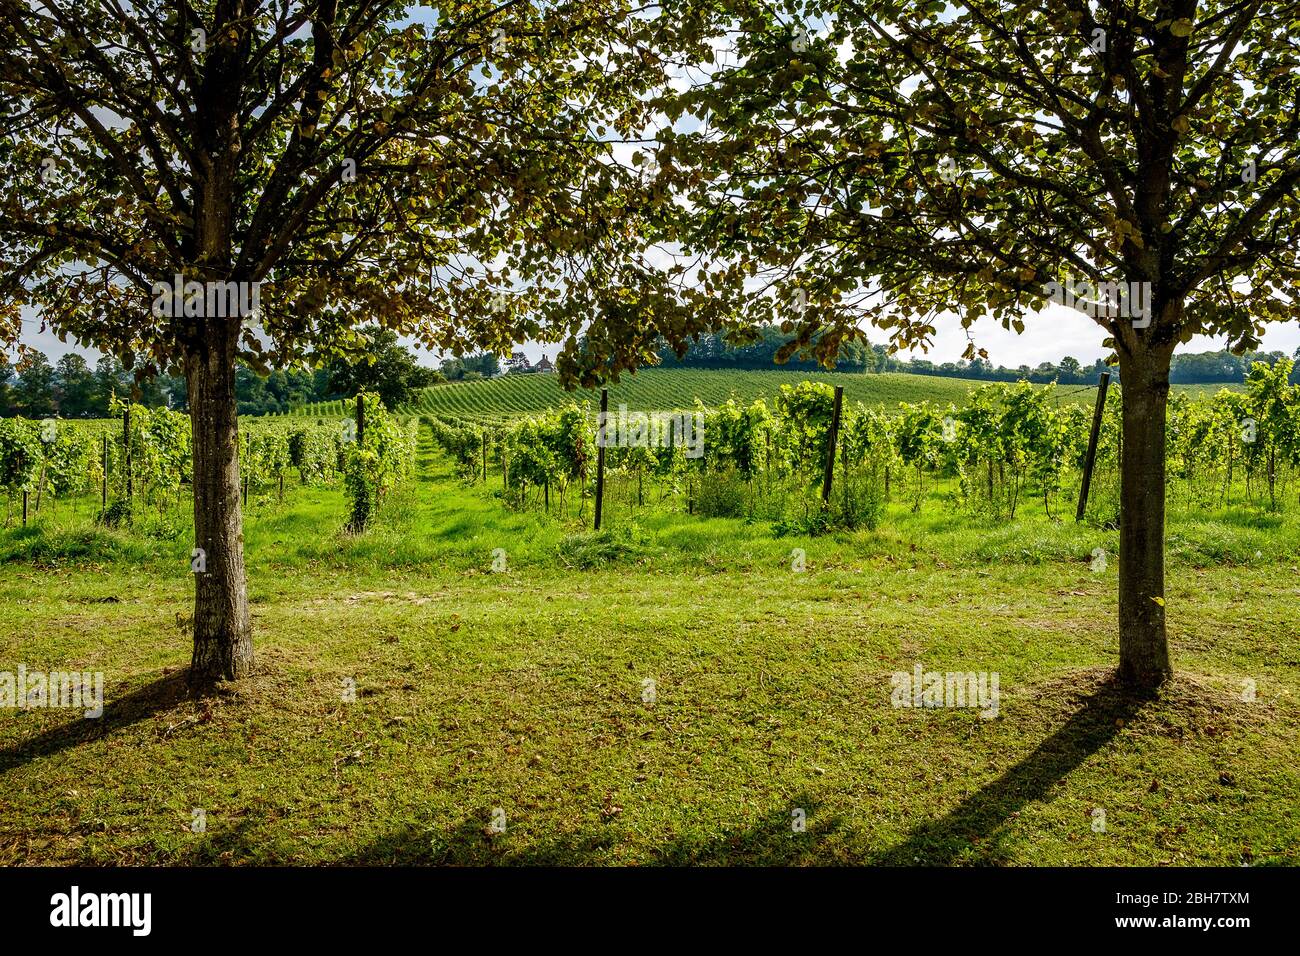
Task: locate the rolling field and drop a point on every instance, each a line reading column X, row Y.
column 513, row 396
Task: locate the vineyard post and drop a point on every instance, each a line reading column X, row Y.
column 832, row 438
column 361, row 422
column 485, row 457
column 1091, row 458
column 600, row 454
column 103, row 488
column 24, row 507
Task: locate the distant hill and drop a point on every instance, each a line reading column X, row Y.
column 512, row 396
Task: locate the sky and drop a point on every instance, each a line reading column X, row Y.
column 1049, row 336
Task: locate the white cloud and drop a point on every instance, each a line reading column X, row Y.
column 1056, row 332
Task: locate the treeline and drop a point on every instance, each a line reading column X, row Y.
column 1206, row 368
column 714, row 352
column 70, row 388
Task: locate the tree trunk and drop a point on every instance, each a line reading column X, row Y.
column 223, row 640
column 1143, row 644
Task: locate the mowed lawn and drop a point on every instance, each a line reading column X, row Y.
column 505, row 717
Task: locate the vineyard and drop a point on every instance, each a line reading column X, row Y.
column 138, row 464
column 993, row 450
column 511, row 396
column 1003, row 448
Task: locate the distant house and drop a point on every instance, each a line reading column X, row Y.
column 544, row 365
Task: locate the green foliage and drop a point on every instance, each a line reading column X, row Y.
column 1006, row 442
column 313, row 450
column 382, row 454
column 20, row 454
column 1002, row 443
column 806, row 410
column 722, row 494
column 462, row 441
column 159, row 450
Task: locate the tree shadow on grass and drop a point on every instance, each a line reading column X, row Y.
column 967, row 831
column 153, row 698
column 965, row 835
column 770, row 842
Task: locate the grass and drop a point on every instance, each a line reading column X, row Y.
column 523, row 691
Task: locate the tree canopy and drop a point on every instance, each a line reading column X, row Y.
column 446, row 175
column 959, row 157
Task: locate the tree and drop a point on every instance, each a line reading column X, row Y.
column 76, row 386
column 486, row 364
column 384, row 367
column 110, row 380
column 33, row 397
column 984, row 158
column 6, row 391
column 303, row 167
column 483, row 365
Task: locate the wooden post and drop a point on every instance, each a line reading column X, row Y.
column 832, row 439
column 1091, row 458
column 24, row 507
column 103, row 488
column 361, row 421
column 602, row 432
column 485, row 457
